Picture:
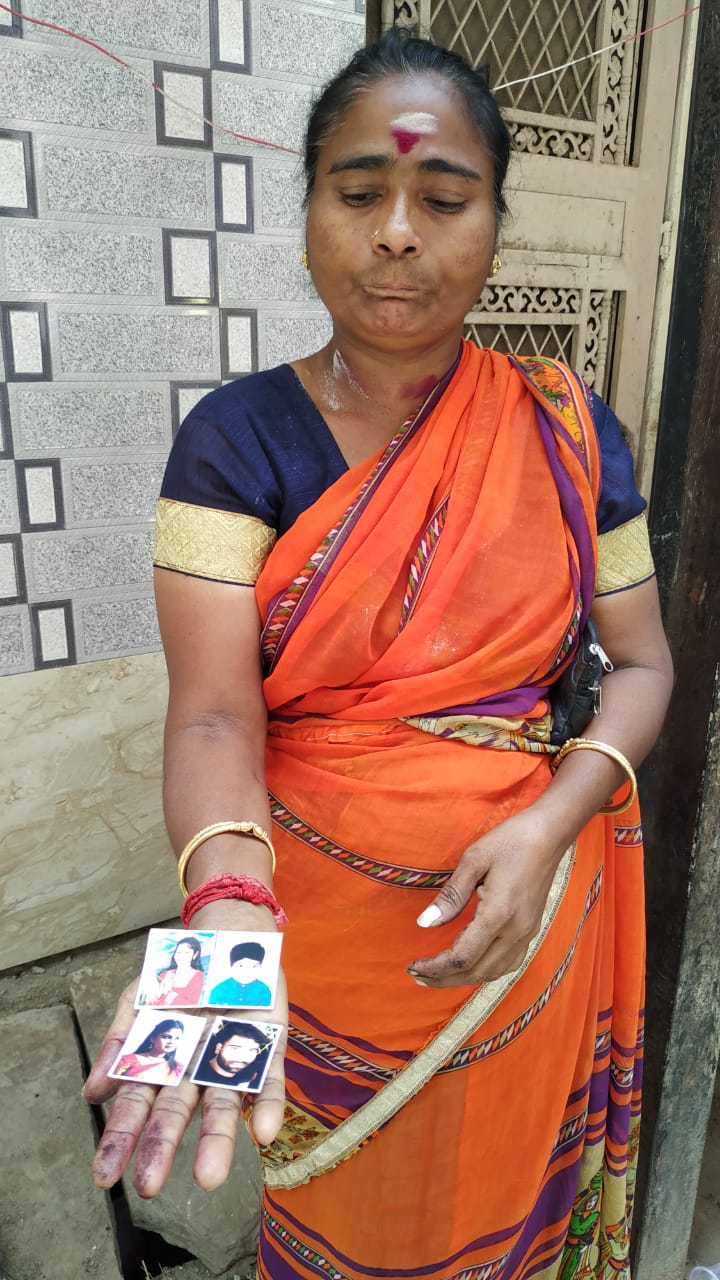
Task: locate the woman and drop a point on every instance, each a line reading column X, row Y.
column 181, row 983
column 154, row 1061
column 422, row 520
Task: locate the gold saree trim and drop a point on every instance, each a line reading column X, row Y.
column 325, row 1153
column 223, row 545
column 506, row 734
column 624, row 557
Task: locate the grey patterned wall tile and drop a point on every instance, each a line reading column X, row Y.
column 11, row 24
column 257, row 272
column 230, row 35
column 9, row 514
column 52, row 633
column 190, row 266
column 6, row 435
column 66, row 88
column 183, row 107
column 289, row 338
column 238, row 342
column 234, row 195
column 26, row 347
column 184, row 396
column 93, row 561
column 139, row 342
column 60, row 418
column 110, row 628
column 303, row 45
column 281, row 198
column 18, row 196
column 45, row 260
column 112, row 492
column 172, row 25
column 12, row 569
column 40, row 495
column 275, row 114
column 15, row 650
column 122, row 184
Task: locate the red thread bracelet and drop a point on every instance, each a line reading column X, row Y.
column 242, row 888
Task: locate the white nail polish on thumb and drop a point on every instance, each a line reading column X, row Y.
column 429, row 916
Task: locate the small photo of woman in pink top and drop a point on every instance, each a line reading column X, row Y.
column 175, row 971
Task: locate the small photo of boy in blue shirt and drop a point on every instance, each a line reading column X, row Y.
column 250, row 973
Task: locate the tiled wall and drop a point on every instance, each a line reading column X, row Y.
column 144, row 257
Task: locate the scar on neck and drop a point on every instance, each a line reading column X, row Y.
column 408, row 129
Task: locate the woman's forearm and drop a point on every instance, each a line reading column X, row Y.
column 214, row 772
column 634, row 701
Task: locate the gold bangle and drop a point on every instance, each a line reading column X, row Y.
column 589, row 744
column 218, row 829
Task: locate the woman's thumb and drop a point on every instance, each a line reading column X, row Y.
column 450, row 900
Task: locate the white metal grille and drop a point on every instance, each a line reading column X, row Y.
column 570, row 324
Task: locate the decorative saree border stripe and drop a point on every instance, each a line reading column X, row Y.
column 321, row 1264
column 351, row 1133
column 422, row 559
column 470, row 1054
column 629, row 836
column 384, row 872
column 327, row 1052
column 556, row 383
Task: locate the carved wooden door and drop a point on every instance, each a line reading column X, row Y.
column 587, row 186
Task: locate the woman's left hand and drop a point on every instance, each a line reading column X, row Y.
column 511, row 869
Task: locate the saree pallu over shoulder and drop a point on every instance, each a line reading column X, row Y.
column 438, row 544
column 429, row 1132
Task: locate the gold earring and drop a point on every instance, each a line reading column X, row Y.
column 496, row 265
column 304, row 259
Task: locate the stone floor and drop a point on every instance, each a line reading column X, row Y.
column 54, row 1225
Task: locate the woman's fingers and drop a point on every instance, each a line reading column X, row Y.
column 221, row 1110
column 98, row 1088
column 125, row 1123
column 156, row 1150
column 269, row 1108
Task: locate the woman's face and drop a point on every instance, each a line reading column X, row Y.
column 401, row 223
column 183, row 955
column 166, row 1042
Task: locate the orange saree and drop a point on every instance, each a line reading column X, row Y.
column 414, row 617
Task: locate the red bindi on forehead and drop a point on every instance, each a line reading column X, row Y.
column 405, row 140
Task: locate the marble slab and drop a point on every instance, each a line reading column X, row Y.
column 83, row 849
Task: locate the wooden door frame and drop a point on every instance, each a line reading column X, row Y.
column 681, row 784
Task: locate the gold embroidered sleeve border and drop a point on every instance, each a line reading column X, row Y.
column 205, row 543
column 624, row 558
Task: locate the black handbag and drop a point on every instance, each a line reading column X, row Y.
column 577, row 695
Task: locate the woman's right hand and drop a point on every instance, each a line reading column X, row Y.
column 150, row 1122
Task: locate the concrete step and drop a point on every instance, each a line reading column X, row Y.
column 51, row 1225
column 220, row 1227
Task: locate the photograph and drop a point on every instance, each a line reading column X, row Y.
column 244, row 971
column 158, row 1050
column 175, row 969
column 237, row 1055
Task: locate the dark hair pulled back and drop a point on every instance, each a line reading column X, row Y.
column 398, row 54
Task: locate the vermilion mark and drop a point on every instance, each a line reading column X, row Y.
column 405, row 140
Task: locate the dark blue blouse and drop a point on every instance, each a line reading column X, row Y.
column 259, row 446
